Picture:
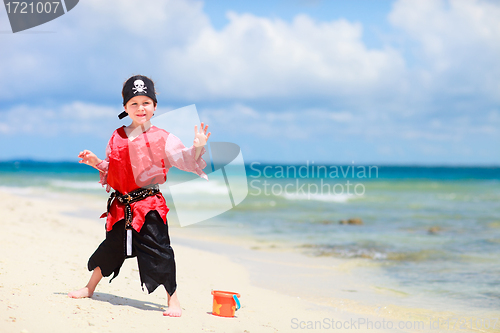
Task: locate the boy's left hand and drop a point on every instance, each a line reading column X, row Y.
column 201, row 136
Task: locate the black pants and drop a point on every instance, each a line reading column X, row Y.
column 151, row 246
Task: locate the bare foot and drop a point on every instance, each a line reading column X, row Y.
column 88, row 290
column 174, row 306
column 81, row 293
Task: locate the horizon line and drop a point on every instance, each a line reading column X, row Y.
column 307, row 163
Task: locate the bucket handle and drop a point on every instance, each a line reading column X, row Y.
column 237, row 302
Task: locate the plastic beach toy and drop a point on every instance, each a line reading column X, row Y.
column 225, row 303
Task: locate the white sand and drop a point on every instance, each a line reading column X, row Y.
column 44, row 256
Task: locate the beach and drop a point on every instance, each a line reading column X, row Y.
column 46, row 243
column 44, row 257
column 343, row 174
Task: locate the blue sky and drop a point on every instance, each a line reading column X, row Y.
column 374, row 82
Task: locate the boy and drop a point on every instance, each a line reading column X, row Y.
column 138, row 158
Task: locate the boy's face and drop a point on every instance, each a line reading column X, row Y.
column 140, row 109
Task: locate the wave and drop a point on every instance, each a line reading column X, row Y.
column 21, row 190
column 213, row 187
column 345, row 252
column 341, row 198
column 378, row 253
column 75, row 185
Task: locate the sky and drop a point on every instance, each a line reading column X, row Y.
column 402, row 82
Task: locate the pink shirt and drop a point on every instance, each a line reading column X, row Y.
column 144, row 161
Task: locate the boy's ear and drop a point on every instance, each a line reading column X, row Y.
column 125, row 109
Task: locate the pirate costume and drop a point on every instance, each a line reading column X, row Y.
column 136, row 218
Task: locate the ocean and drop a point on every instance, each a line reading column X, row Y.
column 433, row 230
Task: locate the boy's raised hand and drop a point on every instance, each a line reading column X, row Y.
column 88, row 158
column 201, row 136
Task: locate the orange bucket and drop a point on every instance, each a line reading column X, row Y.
column 225, row 303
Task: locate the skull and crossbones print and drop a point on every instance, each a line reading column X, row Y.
column 139, row 87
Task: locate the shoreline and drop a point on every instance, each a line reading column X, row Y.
column 355, row 286
column 46, row 247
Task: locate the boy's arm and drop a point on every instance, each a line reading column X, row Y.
column 186, row 159
column 198, row 153
column 200, row 139
column 89, row 158
column 103, row 166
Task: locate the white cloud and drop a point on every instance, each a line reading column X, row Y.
column 438, row 82
column 96, row 46
column 255, row 57
column 92, row 49
column 251, row 57
column 99, row 43
column 458, row 45
column 75, row 118
column 161, row 21
column 88, row 112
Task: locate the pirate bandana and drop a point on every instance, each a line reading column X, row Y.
column 137, row 85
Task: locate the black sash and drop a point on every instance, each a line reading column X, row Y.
column 134, row 196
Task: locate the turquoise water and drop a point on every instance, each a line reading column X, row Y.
column 435, row 230
column 441, row 237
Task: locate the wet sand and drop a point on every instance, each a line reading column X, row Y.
column 45, row 247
